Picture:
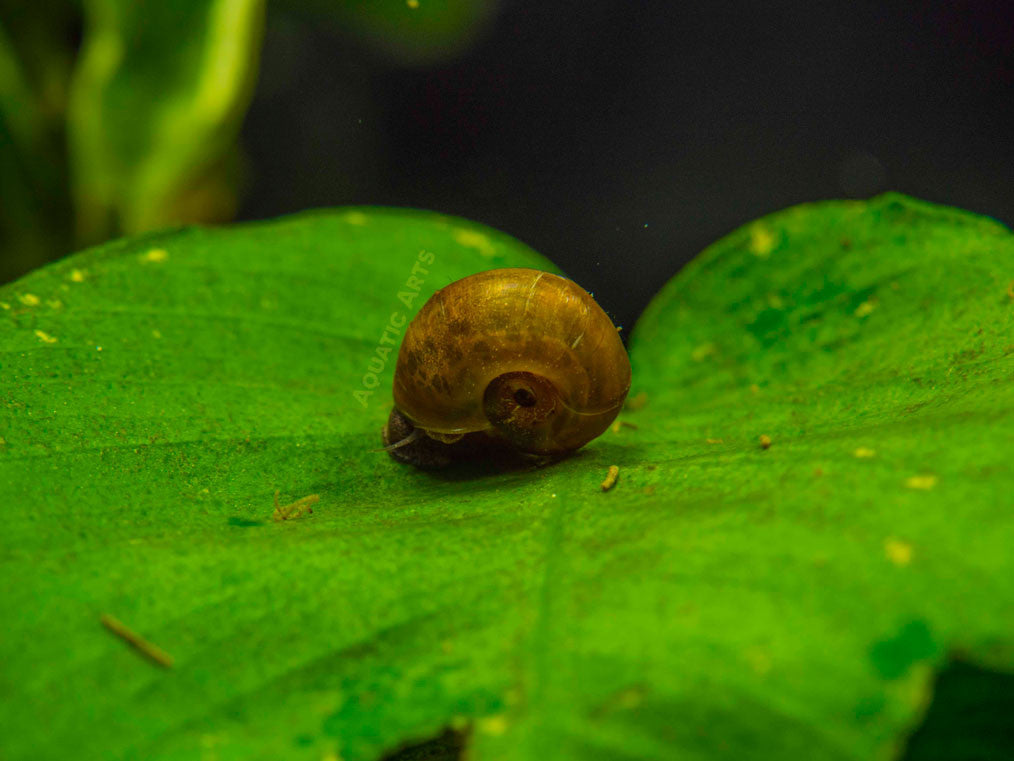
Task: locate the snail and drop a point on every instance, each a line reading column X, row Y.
column 509, row 358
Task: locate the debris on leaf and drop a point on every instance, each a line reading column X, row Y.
column 135, row 640
column 611, row 476
column 765, row 441
column 296, row 509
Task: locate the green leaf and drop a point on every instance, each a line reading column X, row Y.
column 156, row 104
column 722, row 601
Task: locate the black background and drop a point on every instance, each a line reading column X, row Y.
column 620, row 138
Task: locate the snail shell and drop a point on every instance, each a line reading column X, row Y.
column 518, row 355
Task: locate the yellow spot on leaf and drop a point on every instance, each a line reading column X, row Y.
column 28, row 299
column 156, row 334
column 762, row 242
column 156, row 255
column 492, row 725
column 4, row 305
column 475, row 240
column 898, row 552
column 356, row 218
column 45, row 337
column 413, row 4
column 865, row 308
column 712, row 441
column 77, row 276
column 921, row 482
column 54, row 303
column 864, row 452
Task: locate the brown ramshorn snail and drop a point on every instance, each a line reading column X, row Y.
column 509, row 357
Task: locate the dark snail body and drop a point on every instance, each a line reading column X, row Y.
column 511, row 357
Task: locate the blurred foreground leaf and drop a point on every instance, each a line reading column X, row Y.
column 156, row 104
column 723, row 601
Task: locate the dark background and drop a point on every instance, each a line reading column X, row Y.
column 621, row 137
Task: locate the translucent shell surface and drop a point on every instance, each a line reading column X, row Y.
column 523, row 355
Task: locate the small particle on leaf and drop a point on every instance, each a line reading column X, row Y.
column 864, row 452
column 296, row 509
column 45, row 337
column 921, row 482
column 28, row 299
column 762, row 242
column 1010, row 290
column 155, row 255
column 78, row 276
column 622, row 424
column 898, row 552
column 611, row 476
column 765, row 441
column 865, row 308
column 492, row 725
column 139, row 643
column 54, row 303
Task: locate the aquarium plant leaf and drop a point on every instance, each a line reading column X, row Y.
column 166, row 397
